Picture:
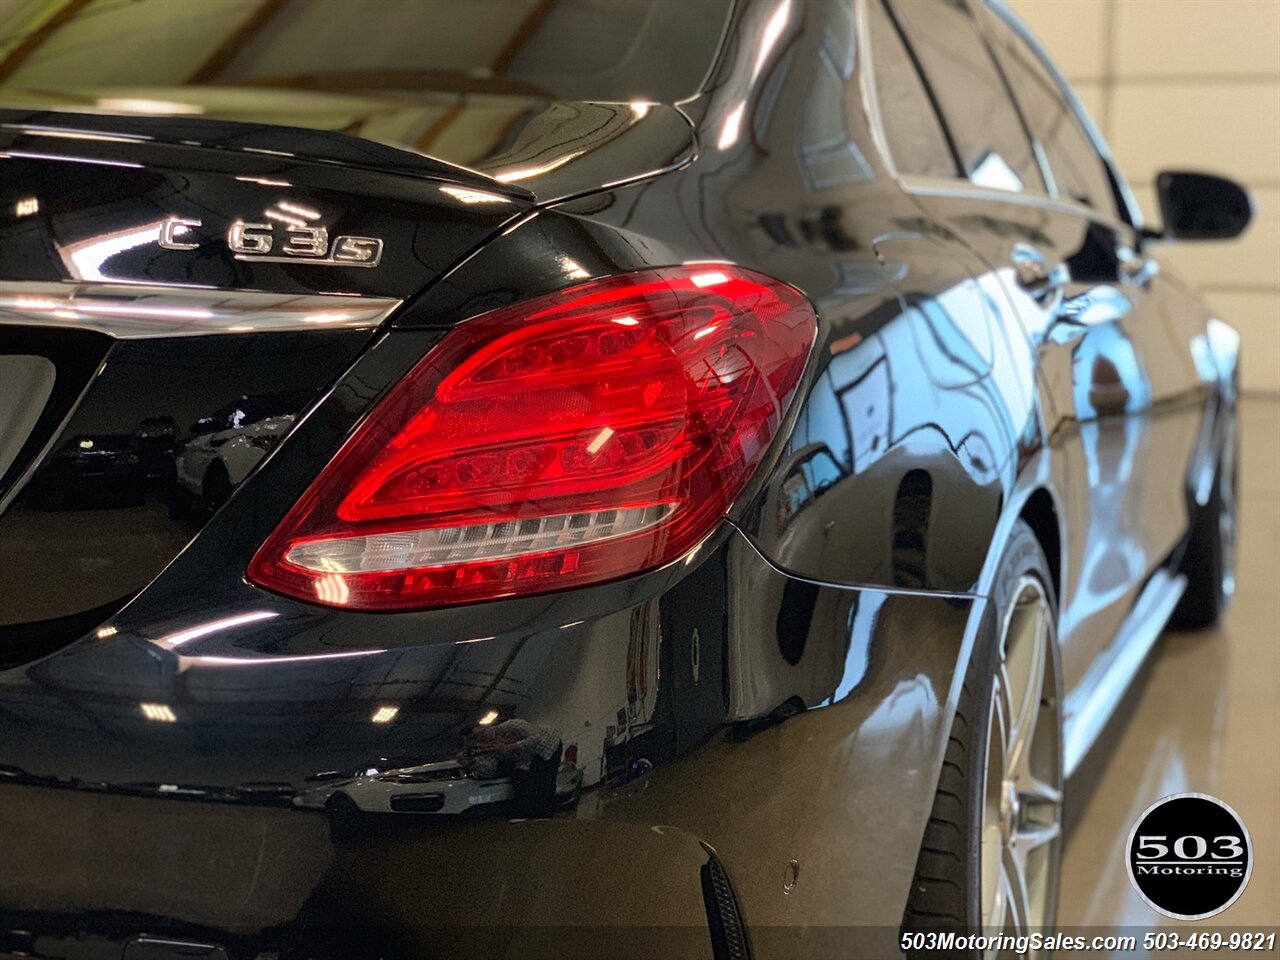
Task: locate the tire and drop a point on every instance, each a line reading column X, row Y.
column 1209, row 560
column 948, row 889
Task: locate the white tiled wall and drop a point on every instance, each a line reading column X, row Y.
column 1191, row 84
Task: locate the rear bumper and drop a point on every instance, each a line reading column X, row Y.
column 117, row 820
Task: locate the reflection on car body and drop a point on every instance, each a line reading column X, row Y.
column 754, row 407
column 91, row 470
column 224, row 446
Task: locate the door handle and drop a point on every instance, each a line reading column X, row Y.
column 1033, row 272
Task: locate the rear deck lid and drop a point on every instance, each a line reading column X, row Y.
column 167, row 312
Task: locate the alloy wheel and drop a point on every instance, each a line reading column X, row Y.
column 1022, row 793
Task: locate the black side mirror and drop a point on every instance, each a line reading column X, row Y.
column 1200, row 206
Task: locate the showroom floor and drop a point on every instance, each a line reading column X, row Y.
column 1204, row 718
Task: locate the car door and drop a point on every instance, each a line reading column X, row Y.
column 1112, row 361
column 1040, row 212
column 971, row 372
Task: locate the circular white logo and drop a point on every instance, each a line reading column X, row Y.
column 1189, row 856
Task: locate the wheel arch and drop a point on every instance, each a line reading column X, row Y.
column 1040, row 512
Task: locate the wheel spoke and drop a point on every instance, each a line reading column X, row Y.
column 1033, row 835
column 998, row 735
column 1027, row 664
column 1034, row 791
column 1016, row 877
column 1004, row 699
column 999, row 912
column 999, row 908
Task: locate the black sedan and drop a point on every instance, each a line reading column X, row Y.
column 740, row 454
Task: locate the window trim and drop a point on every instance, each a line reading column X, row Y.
column 1123, row 195
column 1045, row 186
column 961, row 186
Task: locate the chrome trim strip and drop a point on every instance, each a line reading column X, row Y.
column 26, row 384
column 967, row 190
column 1132, row 209
column 1088, row 708
column 21, row 479
column 136, row 312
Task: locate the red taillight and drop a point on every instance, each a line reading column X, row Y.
column 576, row 438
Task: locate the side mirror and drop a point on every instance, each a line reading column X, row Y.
column 1200, row 206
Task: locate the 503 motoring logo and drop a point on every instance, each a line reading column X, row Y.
column 1189, row 856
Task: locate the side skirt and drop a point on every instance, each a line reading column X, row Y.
column 1088, row 707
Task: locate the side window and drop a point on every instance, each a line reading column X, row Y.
column 1079, row 172
column 975, row 104
column 915, row 138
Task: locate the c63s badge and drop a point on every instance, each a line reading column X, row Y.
column 283, row 242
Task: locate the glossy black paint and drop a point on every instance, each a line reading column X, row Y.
column 105, row 200
column 782, row 693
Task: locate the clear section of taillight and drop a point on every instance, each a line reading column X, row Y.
column 576, row 438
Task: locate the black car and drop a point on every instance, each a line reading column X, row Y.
column 743, row 452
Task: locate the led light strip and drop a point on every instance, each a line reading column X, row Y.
column 441, row 546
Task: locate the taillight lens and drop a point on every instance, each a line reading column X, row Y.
column 580, row 437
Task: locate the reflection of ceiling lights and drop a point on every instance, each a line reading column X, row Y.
column 285, row 218
column 527, row 173
column 488, row 718
column 214, row 626
column 601, row 439
column 332, row 588
column 292, row 214
column 326, row 318
column 83, row 135
column 61, row 158
column 384, row 714
column 731, row 129
column 572, row 268
column 148, row 106
column 87, row 259
column 296, row 208
column 472, row 196
column 769, row 38
column 269, row 661
column 159, row 712
column 265, row 181
column 712, row 279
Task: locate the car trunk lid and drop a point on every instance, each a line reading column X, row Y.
column 153, row 296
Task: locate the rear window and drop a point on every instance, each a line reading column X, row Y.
column 117, row 50
column 911, row 126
